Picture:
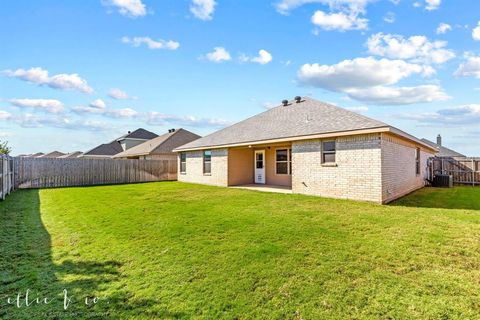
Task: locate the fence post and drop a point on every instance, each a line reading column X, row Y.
column 3, row 176
column 473, row 173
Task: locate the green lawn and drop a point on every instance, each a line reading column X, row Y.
column 175, row 250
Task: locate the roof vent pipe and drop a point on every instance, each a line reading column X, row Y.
column 298, row 99
column 285, row 103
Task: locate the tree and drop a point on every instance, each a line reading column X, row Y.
column 4, row 148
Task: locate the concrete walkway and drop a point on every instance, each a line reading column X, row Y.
column 265, row 188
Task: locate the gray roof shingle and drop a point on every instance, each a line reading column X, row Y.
column 163, row 144
column 443, row 151
column 105, row 149
column 140, row 133
column 296, row 119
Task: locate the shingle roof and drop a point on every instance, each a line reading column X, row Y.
column 160, row 145
column 105, row 149
column 443, row 151
column 53, row 154
column 70, row 155
column 139, row 134
column 36, row 155
column 296, row 119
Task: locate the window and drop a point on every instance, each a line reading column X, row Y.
column 207, row 161
column 328, row 152
column 259, row 160
column 283, row 159
column 417, row 161
column 183, row 162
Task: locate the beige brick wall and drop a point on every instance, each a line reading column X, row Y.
column 357, row 174
column 371, row 167
column 398, row 167
column 194, row 173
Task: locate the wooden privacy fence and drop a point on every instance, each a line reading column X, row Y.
column 6, row 175
column 463, row 170
column 49, row 173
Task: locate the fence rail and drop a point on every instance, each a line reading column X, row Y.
column 463, row 170
column 6, row 176
column 50, row 173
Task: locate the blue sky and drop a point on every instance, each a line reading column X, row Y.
column 75, row 74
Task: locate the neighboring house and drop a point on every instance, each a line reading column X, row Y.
column 105, row 150
column 131, row 139
column 160, row 147
column 443, row 151
column 71, row 155
column 35, row 155
column 53, row 154
column 135, row 138
column 312, row 148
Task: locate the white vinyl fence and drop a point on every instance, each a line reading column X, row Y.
column 6, row 175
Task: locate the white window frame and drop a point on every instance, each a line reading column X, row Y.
column 183, row 154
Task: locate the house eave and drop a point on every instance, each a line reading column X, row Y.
column 288, row 139
column 383, row 129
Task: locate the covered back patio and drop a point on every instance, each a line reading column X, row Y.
column 261, row 167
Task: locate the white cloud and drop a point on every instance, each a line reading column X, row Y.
column 219, row 54
column 356, row 79
column 150, row 43
column 98, row 104
column 339, row 21
column 61, row 81
column 121, row 113
column 432, row 4
column 443, row 28
column 470, row 68
column 284, row 6
column 118, row 94
column 203, row 9
column 129, row 8
column 4, row 115
column 389, row 17
column 83, row 110
column 344, row 14
column 157, row 118
column 34, row 121
column 357, row 73
column 358, row 109
column 416, row 48
column 476, row 33
column 263, row 57
column 111, row 113
column 48, row 105
column 381, row 95
column 453, row 116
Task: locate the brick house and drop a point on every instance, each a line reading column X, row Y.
column 313, row 148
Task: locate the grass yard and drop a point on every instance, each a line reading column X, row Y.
column 175, row 250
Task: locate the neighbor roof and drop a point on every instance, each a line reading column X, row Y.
column 307, row 118
column 53, row 154
column 443, row 151
column 75, row 154
column 160, row 145
column 105, row 149
column 140, row 133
